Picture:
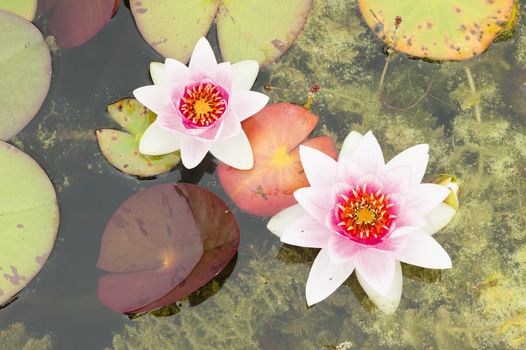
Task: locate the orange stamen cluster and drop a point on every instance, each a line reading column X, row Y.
column 364, row 216
column 203, row 104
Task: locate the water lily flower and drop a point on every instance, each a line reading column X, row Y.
column 200, row 108
column 366, row 216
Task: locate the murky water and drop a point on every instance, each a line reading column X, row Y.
column 479, row 304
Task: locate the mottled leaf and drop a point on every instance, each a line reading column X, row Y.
column 24, row 8
column 29, row 220
column 172, row 27
column 275, row 134
column 437, row 29
column 25, row 71
column 74, row 22
column 259, row 30
column 121, row 149
column 220, row 235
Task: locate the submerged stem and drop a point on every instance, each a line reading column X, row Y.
column 471, row 83
column 384, row 72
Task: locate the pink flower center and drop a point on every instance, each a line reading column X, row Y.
column 203, row 104
column 364, row 216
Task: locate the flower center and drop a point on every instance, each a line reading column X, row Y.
column 202, row 104
column 364, row 216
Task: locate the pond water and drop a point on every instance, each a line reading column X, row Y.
column 259, row 302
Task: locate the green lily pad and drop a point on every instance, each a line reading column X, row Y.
column 172, row 27
column 259, row 30
column 121, row 148
column 25, row 71
column 24, row 8
column 439, row 29
column 29, row 220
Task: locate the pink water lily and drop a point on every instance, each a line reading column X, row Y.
column 200, row 108
column 366, row 216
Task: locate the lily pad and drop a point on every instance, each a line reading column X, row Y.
column 154, row 243
column 25, row 71
column 220, row 235
column 121, row 148
column 275, row 134
column 73, row 23
column 24, row 8
column 438, row 29
column 29, row 220
column 172, row 27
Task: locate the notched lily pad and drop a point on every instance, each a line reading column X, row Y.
column 247, row 29
column 25, row 71
column 24, row 8
column 121, row 148
column 275, row 134
column 29, row 219
column 438, row 29
column 162, row 244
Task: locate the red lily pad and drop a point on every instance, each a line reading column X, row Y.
column 275, row 134
column 164, row 238
column 73, row 23
column 220, row 235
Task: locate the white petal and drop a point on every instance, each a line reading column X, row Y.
column 325, row 277
column 438, row 218
column 422, row 250
column 306, row 232
column 389, row 302
column 193, row 151
column 247, row 103
column 157, row 141
column 203, row 54
column 350, row 143
column 416, row 158
column 153, row 97
column 377, row 269
column 244, row 74
column 368, row 155
column 282, row 220
column 320, row 169
column 158, row 73
column 235, row 151
column 425, row 197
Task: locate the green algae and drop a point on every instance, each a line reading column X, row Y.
column 16, row 336
column 473, row 133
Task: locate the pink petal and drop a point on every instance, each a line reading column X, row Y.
column 247, row 103
column 389, row 302
column 244, row 74
column 306, row 232
column 315, row 201
column 154, row 97
column 416, row 158
column 282, row 220
column 348, row 170
column 193, row 151
column 425, row 197
column 368, row 155
column 176, row 71
column 396, row 180
column 325, row 277
column 235, row 151
column 421, row 249
column 203, row 54
column 319, row 168
column 342, row 249
column 377, row 269
column 231, row 126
